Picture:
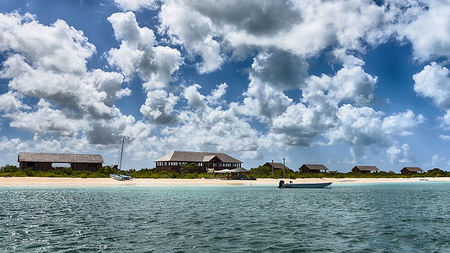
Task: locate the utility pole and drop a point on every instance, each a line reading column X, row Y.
column 284, row 166
column 272, row 167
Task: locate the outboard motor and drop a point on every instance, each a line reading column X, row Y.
column 281, row 184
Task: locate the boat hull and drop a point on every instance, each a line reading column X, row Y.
column 316, row 185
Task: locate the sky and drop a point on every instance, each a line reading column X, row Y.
column 334, row 82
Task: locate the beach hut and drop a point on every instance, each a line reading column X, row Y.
column 206, row 161
column 46, row 161
column 313, row 168
column 410, row 170
column 365, row 169
column 276, row 166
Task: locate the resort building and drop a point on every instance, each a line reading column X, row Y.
column 365, row 169
column 410, row 170
column 204, row 160
column 47, row 161
column 313, row 168
column 276, row 166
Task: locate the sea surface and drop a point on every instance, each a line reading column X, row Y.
column 402, row 217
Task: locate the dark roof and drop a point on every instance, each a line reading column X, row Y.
column 366, row 168
column 315, row 166
column 277, row 165
column 412, row 168
column 186, row 156
column 59, row 158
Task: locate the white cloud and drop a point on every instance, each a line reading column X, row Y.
column 304, row 28
column 134, row 5
column 434, row 82
column 9, row 102
column 46, row 120
column 61, row 48
column 400, row 155
column 429, row 30
column 194, row 98
column 138, row 54
column 445, row 120
column 401, row 123
column 217, row 94
column 159, row 107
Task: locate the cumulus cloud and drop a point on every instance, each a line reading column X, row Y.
column 445, row 120
column 434, row 82
column 134, row 5
column 429, row 30
column 304, row 28
column 72, row 98
column 46, row 120
column 280, row 69
column 400, row 154
column 138, row 54
column 217, row 94
column 10, row 102
column 158, row 107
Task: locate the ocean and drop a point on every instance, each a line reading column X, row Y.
column 402, row 217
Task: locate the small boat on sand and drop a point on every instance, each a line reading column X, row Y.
column 119, row 177
column 303, row 185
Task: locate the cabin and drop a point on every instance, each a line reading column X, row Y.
column 206, row 161
column 313, row 168
column 410, row 170
column 365, row 169
column 277, row 166
column 48, row 161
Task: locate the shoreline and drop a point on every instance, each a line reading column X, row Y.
column 171, row 182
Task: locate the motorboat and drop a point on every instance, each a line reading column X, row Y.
column 282, row 184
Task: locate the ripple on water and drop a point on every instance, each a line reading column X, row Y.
column 360, row 218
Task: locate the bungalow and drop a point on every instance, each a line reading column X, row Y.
column 204, row 160
column 365, row 169
column 276, row 166
column 45, row 161
column 410, row 170
column 313, row 168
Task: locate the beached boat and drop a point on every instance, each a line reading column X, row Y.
column 118, row 176
column 303, row 185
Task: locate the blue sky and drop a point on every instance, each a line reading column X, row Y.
column 339, row 83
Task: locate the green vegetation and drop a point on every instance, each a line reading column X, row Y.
column 191, row 171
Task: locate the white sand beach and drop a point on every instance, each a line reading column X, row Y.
column 165, row 182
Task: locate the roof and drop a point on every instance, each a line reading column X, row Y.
column 277, row 165
column 315, row 166
column 187, row 156
column 366, row 168
column 59, row 158
column 412, row 168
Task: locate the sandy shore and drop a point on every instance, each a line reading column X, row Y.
column 71, row 182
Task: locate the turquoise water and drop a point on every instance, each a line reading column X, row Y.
column 408, row 217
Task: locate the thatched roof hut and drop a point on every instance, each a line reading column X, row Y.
column 410, row 170
column 44, row 161
column 313, row 168
column 365, row 169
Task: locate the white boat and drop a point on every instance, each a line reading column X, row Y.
column 118, row 176
column 303, row 185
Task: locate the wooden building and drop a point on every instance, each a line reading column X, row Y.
column 44, row 161
column 410, row 170
column 204, row 160
column 365, row 169
column 313, row 168
column 277, row 166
